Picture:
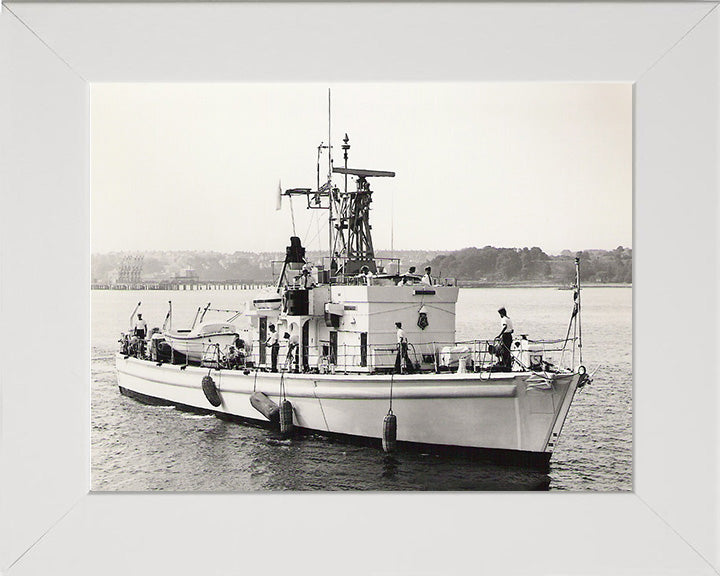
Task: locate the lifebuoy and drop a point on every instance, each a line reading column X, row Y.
column 211, row 391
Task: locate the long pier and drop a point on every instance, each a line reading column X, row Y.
column 200, row 285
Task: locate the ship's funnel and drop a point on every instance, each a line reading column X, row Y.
column 295, row 254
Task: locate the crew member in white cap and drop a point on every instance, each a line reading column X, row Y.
column 140, row 327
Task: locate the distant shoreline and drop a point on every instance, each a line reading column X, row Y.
column 474, row 284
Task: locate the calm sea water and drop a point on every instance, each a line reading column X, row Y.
column 136, row 447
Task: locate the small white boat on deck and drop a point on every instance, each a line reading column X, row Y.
column 195, row 343
column 339, row 370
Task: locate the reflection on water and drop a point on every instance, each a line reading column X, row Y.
column 137, row 447
column 390, row 466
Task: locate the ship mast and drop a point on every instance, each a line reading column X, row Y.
column 349, row 237
column 329, row 184
column 352, row 229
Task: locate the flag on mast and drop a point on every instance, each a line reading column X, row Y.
column 278, row 202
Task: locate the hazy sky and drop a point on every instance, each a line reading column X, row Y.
column 196, row 166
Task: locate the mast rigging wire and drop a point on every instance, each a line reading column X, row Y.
column 292, row 215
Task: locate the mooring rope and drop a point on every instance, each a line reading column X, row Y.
column 392, row 378
column 321, row 406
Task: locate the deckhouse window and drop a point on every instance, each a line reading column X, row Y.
column 363, row 348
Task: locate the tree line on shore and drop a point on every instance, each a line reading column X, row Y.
column 477, row 265
column 490, row 264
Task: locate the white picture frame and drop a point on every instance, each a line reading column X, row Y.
column 51, row 53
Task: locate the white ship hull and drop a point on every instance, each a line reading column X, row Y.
column 510, row 412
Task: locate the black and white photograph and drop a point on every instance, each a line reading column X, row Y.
column 362, row 287
column 371, row 288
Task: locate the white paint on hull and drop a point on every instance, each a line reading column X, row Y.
column 468, row 410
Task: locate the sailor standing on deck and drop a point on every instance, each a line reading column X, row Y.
column 307, row 279
column 408, row 278
column 427, row 278
column 140, row 329
column 274, row 345
column 292, row 351
column 366, row 276
column 402, row 351
column 505, row 335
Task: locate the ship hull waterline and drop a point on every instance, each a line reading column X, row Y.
column 513, row 418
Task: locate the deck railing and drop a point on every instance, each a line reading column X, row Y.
column 348, row 272
column 465, row 355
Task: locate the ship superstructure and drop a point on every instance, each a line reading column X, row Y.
column 354, row 346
